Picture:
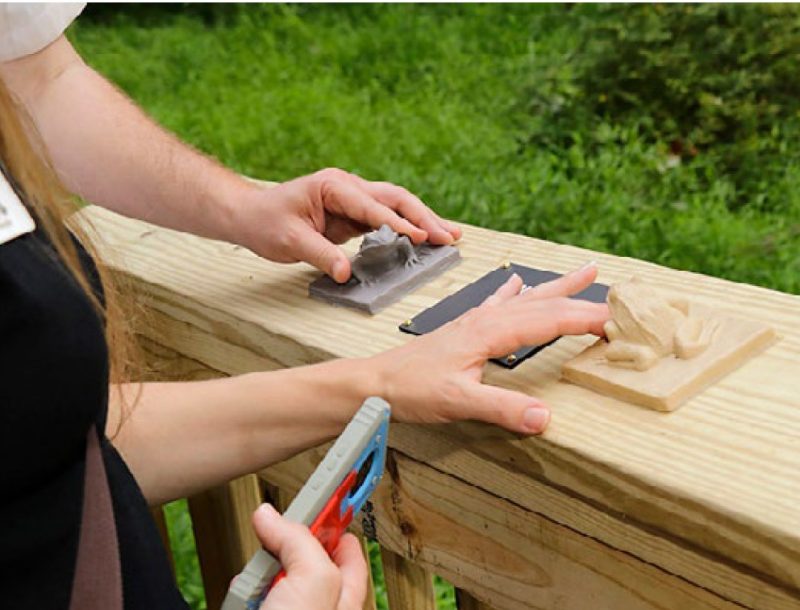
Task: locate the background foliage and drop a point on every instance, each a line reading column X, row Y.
column 663, row 132
column 711, row 81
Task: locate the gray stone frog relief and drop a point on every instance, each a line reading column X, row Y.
column 381, row 252
column 386, row 268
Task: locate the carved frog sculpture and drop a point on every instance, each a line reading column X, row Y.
column 645, row 327
column 380, row 252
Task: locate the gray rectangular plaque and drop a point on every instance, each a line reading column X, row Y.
column 386, row 268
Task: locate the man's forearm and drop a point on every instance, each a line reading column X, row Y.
column 180, row 438
column 109, row 152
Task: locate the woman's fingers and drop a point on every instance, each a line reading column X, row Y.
column 508, row 409
column 567, row 285
column 589, row 320
column 348, row 200
column 349, row 557
column 521, row 322
column 292, row 543
column 508, row 290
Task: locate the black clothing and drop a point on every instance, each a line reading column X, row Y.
column 53, row 387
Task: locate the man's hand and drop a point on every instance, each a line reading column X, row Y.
column 436, row 378
column 106, row 150
column 304, row 219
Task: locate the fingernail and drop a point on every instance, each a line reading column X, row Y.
column 339, row 269
column 535, row 419
column 591, row 263
column 510, row 280
column 448, row 239
column 416, row 235
column 267, row 510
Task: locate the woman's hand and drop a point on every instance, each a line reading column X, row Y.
column 303, row 219
column 437, row 377
column 313, row 580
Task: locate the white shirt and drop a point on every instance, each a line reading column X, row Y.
column 28, row 27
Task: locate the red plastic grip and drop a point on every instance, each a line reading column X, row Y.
column 330, row 524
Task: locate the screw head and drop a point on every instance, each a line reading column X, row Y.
column 407, row 323
column 506, row 265
column 511, row 358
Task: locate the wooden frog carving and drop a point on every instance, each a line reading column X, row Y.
column 645, row 327
column 380, row 252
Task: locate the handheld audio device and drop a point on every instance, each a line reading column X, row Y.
column 339, row 488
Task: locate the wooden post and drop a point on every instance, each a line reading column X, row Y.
column 369, row 602
column 223, row 534
column 408, row 586
column 465, row 601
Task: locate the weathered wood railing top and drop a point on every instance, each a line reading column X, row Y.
column 709, row 494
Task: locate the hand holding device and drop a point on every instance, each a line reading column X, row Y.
column 335, row 492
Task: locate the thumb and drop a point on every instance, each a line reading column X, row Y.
column 292, row 543
column 350, row 558
column 511, row 410
column 314, row 248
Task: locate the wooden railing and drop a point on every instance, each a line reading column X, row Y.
column 615, row 507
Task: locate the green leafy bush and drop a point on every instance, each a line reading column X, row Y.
column 714, row 80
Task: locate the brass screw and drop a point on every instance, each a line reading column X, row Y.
column 506, row 265
column 407, row 323
column 511, row 359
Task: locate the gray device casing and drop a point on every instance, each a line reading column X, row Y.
column 246, row 590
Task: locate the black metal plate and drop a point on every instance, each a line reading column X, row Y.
column 475, row 293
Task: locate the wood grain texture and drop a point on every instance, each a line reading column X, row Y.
column 370, row 603
column 222, row 539
column 672, row 381
column 408, row 586
column 464, row 601
column 503, row 555
column 709, row 492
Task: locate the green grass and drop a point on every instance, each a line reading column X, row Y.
column 439, row 98
column 181, row 541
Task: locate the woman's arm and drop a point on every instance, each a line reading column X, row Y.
column 183, row 437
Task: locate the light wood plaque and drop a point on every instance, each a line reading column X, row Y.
column 672, row 381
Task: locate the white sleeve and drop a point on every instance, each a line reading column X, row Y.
column 28, row 27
